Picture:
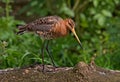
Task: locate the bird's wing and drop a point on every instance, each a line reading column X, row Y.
column 48, row 20
column 43, row 24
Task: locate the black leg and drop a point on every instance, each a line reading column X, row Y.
column 50, row 55
column 42, row 52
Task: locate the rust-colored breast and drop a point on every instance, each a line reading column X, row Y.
column 60, row 29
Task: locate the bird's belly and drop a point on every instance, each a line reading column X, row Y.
column 50, row 35
column 46, row 35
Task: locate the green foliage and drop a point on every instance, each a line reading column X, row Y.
column 97, row 25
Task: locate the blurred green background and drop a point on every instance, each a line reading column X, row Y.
column 97, row 26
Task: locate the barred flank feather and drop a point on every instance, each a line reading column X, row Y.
column 21, row 29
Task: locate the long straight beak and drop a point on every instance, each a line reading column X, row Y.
column 73, row 31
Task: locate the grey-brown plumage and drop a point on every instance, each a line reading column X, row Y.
column 43, row 26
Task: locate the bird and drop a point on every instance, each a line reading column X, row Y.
column 49, row 27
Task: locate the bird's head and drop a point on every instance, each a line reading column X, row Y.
column 71, row 26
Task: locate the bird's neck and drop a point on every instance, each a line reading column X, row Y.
column 64, row 29
column 61, row 29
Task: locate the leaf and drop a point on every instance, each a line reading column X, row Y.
column 34, row 3
column 106, row 13
column 92, row 11
column 84, row 22
column 64, row 9
column 100, row 18
column 117, row 1
column 97, row 16
column 101, row 21
column 95, row 3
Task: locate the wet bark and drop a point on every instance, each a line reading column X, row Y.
column 82, row 72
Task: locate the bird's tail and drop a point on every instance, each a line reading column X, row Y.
column 21, row 29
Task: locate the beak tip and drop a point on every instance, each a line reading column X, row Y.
column 81, row 46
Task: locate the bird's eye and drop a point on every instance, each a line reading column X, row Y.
column 69, row 22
